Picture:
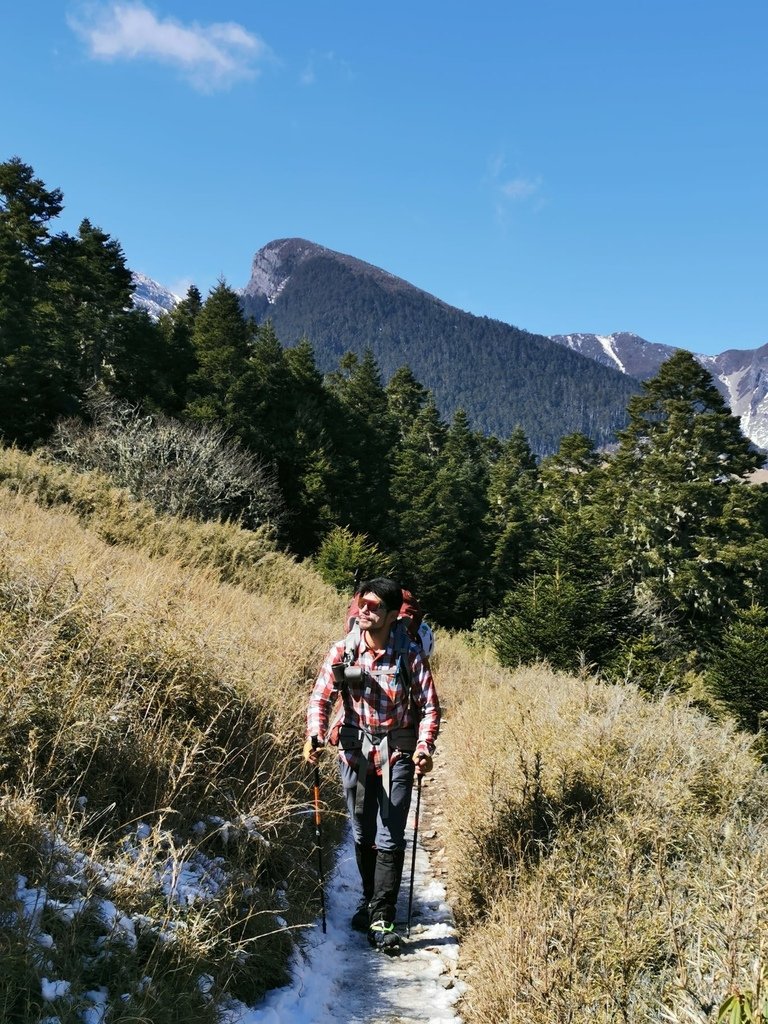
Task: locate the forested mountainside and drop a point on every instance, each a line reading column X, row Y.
column 502, row 376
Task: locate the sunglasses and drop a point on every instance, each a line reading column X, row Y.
column 371, row 606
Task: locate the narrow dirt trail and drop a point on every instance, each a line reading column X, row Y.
column 340, row 978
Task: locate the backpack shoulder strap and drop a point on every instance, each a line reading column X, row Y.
column 402, row 649
column 352, row 643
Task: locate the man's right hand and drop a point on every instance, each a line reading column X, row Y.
column 312, row 750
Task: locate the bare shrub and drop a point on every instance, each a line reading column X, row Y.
column 181, row 469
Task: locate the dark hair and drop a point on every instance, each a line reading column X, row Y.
column 388, row 591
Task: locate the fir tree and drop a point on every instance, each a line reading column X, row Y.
column 180, row 361
column 33, row 368
column 458, row 537
column 738, row 667
column 221, row 340
column 364, row 435
column 265, row 400
column 412, row 525
column 669, row 497
column 513, row 485
column 557, row 618
column 312, row 493
column 100, row 294
column 405, row 398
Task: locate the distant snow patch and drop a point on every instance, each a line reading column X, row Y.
column 608, row 344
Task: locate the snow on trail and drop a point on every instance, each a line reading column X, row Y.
column 338, row 977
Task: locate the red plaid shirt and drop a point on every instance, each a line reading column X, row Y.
column 379, row 702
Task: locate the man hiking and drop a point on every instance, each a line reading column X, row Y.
column 391, row 717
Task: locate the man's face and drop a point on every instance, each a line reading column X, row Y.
column 373, row 613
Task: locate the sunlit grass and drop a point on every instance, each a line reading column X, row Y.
column 608, row 854
column 151, row 731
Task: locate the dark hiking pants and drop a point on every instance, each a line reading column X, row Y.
column 381, row 827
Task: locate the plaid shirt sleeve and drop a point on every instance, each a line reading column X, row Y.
column 322, row 696
column 425, row 698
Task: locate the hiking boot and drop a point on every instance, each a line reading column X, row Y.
column 361, row 917
column 382, row 935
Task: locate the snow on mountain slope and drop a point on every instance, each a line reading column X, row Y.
column 740, row 374
column 152, row 297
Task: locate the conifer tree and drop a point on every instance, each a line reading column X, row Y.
column 265, row 400
column 101, row 290
column 738, row 667
column 318, row 475
column 513, row 485
column 558, row 618
column 414, row 504
column 461, row 515
column 364, row 435
column 33, row 368
column 221, row 340
column 405, row 398
column 180, row 361
column 669, row 499
column 570, row 477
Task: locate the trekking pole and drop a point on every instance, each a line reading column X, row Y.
column 413, row 852
column 319, row 834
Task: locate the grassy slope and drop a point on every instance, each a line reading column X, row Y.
column 607, row 854
column 149, row 740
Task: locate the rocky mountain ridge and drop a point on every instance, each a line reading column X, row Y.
column 152, row 297
column 741, row 375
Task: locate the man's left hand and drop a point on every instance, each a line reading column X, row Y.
column 423, row 763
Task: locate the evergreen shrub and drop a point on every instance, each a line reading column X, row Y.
column 344, row 553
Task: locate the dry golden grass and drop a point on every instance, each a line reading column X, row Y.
column 237, row 556
column 608, row 855
column 144, row 694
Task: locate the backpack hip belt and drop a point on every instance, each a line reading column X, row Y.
column 402, row 739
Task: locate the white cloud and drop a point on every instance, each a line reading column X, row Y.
column 520, row 188
column 210, row 57
column 508, row 192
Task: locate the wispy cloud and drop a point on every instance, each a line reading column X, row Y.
column 319, row 62
column 512, row 191
column 520, row 188
column 210, row 57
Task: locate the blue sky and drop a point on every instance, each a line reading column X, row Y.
column 562, row 166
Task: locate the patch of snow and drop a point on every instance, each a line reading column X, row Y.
column 339, row 979
column 51, row 990
column 121, row 927
column 96, row 1013
column 608, row 345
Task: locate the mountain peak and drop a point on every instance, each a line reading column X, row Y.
column 276, row 262
column 152, row 297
